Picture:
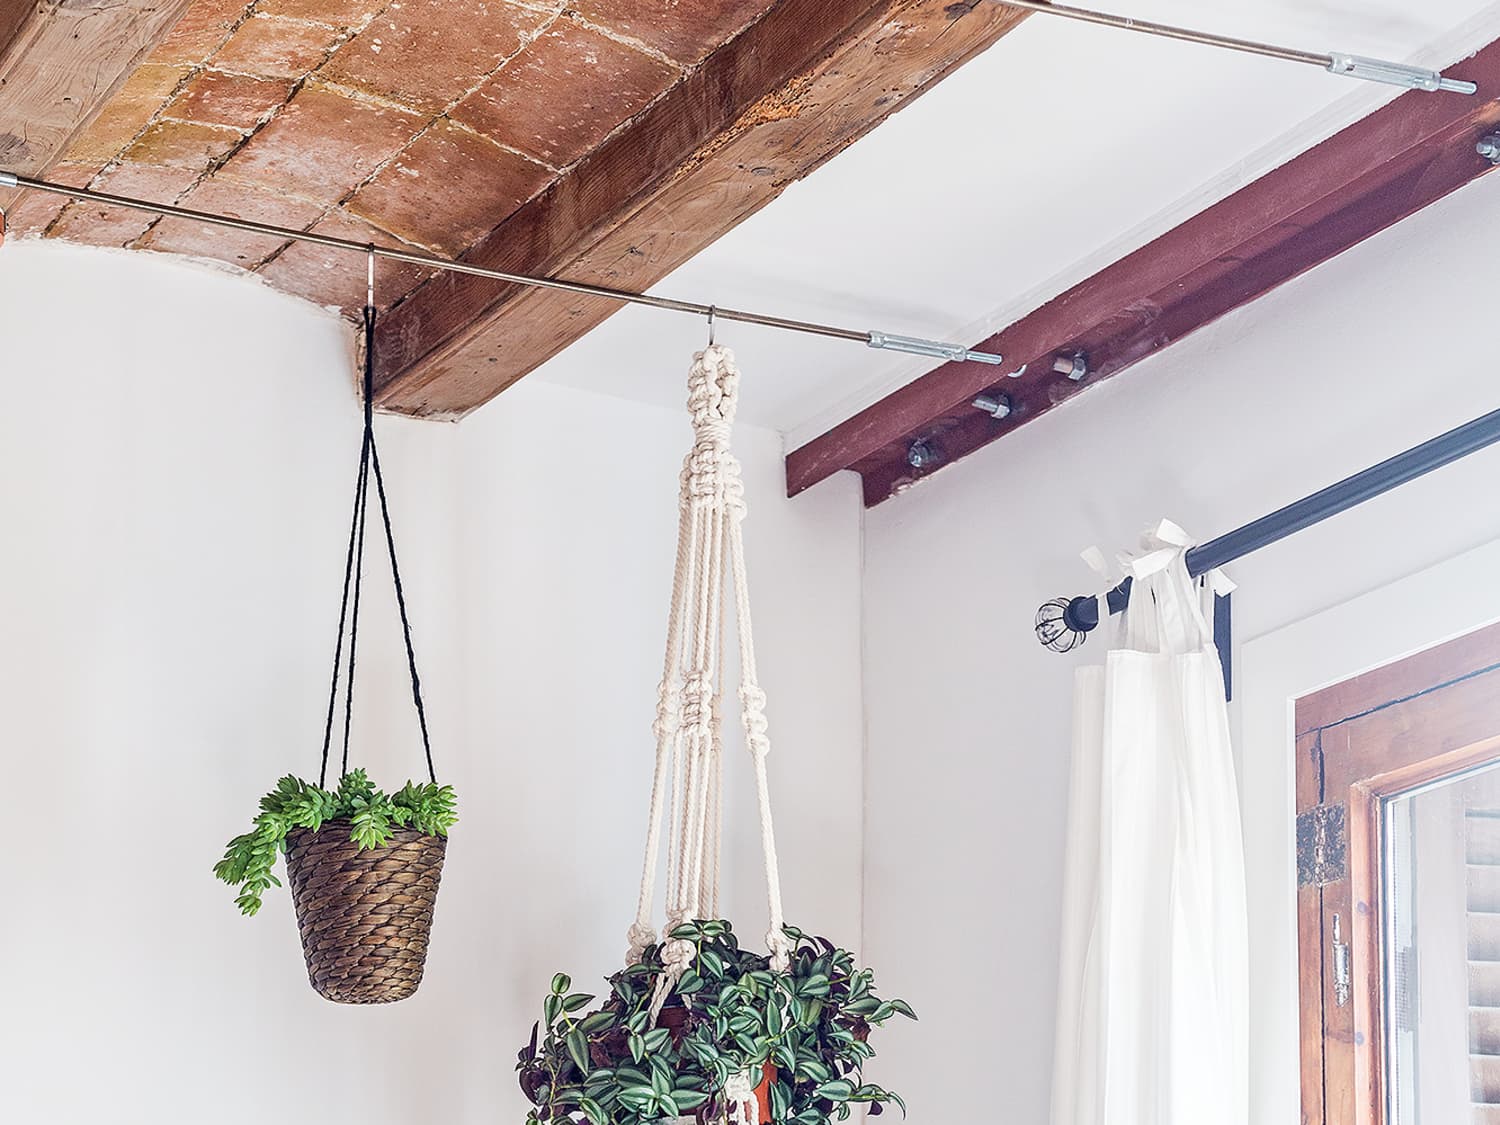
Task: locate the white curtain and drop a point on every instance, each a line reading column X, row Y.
column 1153, row 1000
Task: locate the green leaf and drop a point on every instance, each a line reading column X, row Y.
column 578, row 1047
column 690, row 983
column 637, row 1046
column 780, row 1099
column 813, row 1069
column 837, row 1091
column 575, row 1001
column 773, row 1018
column 593, row 1111
column 688, row 1099
column 656, row 1040
column 814, row 986
column 561, row 983
column 637, row 1097
column 598, row 1021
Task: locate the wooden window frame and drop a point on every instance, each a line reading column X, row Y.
column 1351, row 754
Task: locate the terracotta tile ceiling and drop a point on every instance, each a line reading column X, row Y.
column 421, row 123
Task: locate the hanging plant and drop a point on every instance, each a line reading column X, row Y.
column 695, row 1027
column 295, row 807
column 364, row 865
column 804, row 1031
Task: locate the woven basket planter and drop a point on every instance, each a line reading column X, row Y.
column 364, row 916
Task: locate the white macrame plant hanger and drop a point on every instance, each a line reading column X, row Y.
column 688, row 726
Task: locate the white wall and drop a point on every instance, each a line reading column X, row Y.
column 178, row 453
column 968, row 717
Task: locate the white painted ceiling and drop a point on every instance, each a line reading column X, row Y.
column 1063, row 147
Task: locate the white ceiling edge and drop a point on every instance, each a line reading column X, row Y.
column 1460, row 44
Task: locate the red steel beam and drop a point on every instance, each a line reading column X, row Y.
column 1393, row 163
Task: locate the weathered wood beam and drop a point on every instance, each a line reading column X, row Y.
column 60, row 60
column 1393, row 163
column 771, row 105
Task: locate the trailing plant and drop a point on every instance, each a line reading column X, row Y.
column 372, row 814
column 728, row 1014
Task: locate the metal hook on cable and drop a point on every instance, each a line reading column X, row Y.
column 712, row 309
column 370, row 277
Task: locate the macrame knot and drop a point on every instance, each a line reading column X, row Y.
column 705, row 483
column 780, row 948
column 734, row 488
column 698, row 703
column 665, row 724
column 713, row 390
column 739, row 1096
column 676, row 956
column 641, row 937
column 712, row 439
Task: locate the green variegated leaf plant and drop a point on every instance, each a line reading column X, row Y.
column 805, row 1030
column 371, row 814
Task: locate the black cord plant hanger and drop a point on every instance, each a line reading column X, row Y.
column 364, row 890
column 369, row 460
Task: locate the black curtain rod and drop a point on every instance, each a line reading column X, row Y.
column 1062, row 624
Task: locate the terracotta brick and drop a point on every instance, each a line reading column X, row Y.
column 126, row 113
column 94, row 225
column 182, row 144
column 449, row 187
column 240, row 201
column 275, row 47
column 234, row 100
column 323, row 144
column 205, row 25
column 29, row 212
column 426, row 54
column 336, row 278
column 685, row 30
column 342, row 14
column 156, row 183
column 101, row 225
column 565, row 93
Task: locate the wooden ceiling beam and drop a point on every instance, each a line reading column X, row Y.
column 60, row 60
column 768, row 107
column 1395, row 162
